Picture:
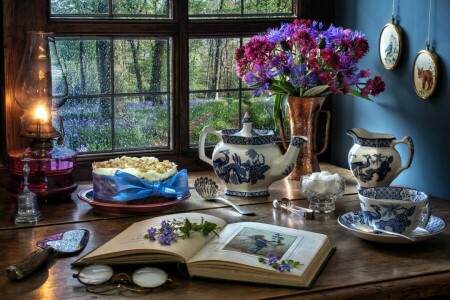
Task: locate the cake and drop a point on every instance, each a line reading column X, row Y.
column 111, row 187
column 147, row 168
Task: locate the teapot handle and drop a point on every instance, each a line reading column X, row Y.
column 409, row 142
column 201, row 143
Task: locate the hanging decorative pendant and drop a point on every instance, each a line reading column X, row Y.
column 426, row 68
column 425, row 73
column 390, row 45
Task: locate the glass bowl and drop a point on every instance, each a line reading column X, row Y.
column 322, row 191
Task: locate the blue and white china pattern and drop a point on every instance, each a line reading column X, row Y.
column 394, row 192
column 435, row 226
column 247, row 161
column 373, row 159
column 398, row 209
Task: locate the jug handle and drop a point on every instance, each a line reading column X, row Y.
column 327, row 130
column 201, row 143
column 409, row 142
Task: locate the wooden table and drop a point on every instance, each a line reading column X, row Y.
column 358, row 269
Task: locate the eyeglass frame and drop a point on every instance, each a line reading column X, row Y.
column 118, row 280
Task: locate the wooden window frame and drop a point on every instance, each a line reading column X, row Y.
column 24, row 15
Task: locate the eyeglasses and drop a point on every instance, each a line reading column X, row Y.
column 102, row 278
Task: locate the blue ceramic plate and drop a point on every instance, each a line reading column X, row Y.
column 435, row 226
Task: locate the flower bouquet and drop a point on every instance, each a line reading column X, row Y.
column 304, row 59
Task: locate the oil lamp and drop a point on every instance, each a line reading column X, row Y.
column 41, row 82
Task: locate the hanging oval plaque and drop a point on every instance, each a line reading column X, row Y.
column 390, row 45
column 425, row 73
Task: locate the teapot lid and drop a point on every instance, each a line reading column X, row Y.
column 247, row 135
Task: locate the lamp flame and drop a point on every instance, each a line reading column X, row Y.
column 41, row 114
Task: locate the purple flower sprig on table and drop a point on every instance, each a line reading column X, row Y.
column 281, row 266
column 170, row 231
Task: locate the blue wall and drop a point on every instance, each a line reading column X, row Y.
column 399, row 110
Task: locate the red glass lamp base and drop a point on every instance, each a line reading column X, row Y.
column 50, row 173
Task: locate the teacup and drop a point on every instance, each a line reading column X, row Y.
column 396, row 209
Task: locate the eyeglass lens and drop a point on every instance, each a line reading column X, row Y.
column 95, row 274
column 147, row 277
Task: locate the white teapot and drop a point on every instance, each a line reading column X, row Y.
column 247, row 161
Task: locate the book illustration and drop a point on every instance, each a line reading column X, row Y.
column 260, row 242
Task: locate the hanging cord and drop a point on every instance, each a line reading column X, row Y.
column 429, row 25
column 393, row 11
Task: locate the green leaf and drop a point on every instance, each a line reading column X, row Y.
column 262, row 260
column 282, row 87
column 315, row 91
column 358, row 94
column 208, row 227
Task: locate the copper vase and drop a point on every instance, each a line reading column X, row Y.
column 303, row 115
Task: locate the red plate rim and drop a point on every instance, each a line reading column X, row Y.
column 127, row 208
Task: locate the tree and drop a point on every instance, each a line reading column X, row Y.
column 155, row 79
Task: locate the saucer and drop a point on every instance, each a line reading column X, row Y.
column 435, row 226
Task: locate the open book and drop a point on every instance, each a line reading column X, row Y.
column 233, row 255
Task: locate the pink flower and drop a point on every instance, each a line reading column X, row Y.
column 330, row 58
column 361, row 47
column 378, row 86
column 258, row 46
column 364, row 73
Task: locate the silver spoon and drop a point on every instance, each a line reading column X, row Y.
column 302, row 212
column 368, row 229
column 207, row 188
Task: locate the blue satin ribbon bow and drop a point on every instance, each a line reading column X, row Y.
column 125, row 187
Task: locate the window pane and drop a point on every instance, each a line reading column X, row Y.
column 141, row 66
column 110, row 9
column 86, row 124
column 268, row 7
column 240, row 8
column 87, row 65
column 79, row 7
column 211, row 64
column 129, row 76
column 260, row 110
column 141, row 124
column 220, row 112
column 141, row 7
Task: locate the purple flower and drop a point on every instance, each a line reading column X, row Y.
column 272, row 260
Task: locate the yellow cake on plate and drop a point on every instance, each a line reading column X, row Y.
column 106, row 183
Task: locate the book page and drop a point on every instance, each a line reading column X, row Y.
column 243, row 243
column 132, row 239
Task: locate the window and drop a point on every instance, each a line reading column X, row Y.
column 120, row 87
column 145, row 76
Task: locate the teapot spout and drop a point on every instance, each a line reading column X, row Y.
column 284, row 164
